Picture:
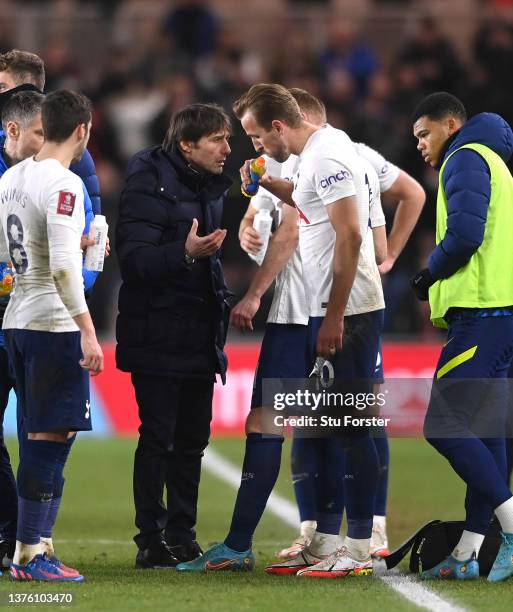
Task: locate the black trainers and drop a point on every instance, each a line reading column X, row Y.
column 157, row 556
column 186, row 551
column 6, row 552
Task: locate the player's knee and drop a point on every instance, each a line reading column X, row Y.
column 254, row 421
column 51, row 436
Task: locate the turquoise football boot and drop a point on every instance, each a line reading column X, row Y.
column 220, row 558
column 452, row 569
column 503, row 565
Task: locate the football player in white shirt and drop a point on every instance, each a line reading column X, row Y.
column 50, row 336
column 332, row 191
column 263, row 452
column 409, row 197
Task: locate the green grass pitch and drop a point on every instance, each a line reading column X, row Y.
column 95, row 528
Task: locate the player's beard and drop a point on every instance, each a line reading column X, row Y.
column 281, row 154
column 79, row 152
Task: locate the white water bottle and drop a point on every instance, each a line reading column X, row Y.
column 95, row 253
column 262, row 222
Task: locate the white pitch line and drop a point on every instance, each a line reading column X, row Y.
column 406, row 586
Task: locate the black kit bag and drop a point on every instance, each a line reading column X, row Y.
column 435, row 541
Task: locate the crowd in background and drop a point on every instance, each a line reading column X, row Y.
column 147, row 59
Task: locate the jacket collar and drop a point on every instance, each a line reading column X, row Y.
column 445, row 149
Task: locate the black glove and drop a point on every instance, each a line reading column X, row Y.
column 421, row 283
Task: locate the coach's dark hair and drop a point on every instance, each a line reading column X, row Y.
column 22, row 108
column 308, row 103
column 62, row 111
column 193, row 122
column 269, row 102
column 438, row 106
column 25, row 67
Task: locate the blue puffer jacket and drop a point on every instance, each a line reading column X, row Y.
column 173, row 317
column 86, row 170
column 466, row 180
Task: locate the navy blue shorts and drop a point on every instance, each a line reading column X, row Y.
column 360, row 347
column 470, row 389
column 289, row 351
column 283, row 354
column 51, row 387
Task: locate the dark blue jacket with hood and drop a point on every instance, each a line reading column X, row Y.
column 466, row 180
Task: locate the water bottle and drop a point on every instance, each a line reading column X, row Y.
column 256, row 172
column 262, row 222
column 95, row 253
column 6, row 279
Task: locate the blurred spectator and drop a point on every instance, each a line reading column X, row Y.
column 61, row 71
column 178, row 90
column 131, row 113
column 493, row 50
column 295, row 58
column 433, row 57
column 345, row 53
column 192, row 27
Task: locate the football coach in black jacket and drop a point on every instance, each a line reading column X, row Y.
column 172, row 322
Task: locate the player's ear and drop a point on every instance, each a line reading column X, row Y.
column 277, row 125
column 81, row 131
column 12, row 130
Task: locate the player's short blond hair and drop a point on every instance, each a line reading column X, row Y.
column 268, row 102
column 25, row 67
column 309, row 103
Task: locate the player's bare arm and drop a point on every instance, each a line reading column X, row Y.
column 343, row 216
column 249, row 238
column 281, row 247
column 379, row 236
column 410, row 197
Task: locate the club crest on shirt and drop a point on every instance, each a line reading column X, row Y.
column 66, row 203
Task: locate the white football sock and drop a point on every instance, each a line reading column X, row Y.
column 358, row 549
column 324, row 544
column 379, row 522
column 307, row 528
column 504, row 513
column 47, row 547
column 24, row 553
column 469, row 543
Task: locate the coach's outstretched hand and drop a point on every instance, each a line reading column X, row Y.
column 242, row 314
column 203, row 246
column 421, row 283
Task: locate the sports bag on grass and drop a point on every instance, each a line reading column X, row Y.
column 435, row 541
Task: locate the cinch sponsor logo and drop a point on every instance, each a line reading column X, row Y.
column 341, row 175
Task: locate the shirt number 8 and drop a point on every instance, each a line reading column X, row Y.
column 16, row 251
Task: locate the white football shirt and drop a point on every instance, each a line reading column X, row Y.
column 329, row 170
column 36, row 200
column 289, row 305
